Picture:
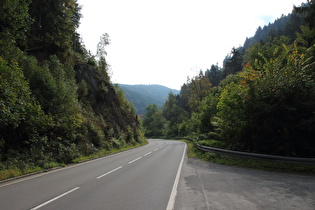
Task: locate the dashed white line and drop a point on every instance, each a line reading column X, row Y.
column 134, row 160
column 44, row 204
column 147, row 154
column 109, row 172
column 156, row 149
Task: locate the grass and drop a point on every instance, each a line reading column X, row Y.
column 105, row 152
column 14, row 171
column 194, row 152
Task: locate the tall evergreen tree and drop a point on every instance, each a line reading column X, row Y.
column 53, row 29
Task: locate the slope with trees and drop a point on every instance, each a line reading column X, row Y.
column 57, row 102
column 265, row 99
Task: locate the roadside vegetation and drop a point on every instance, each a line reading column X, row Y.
column 20, row 168
column 262, row 100
column 57, row 102
column 194, row 152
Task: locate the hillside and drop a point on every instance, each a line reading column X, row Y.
column 262, row 100
column 57, row 101
column 143, row 95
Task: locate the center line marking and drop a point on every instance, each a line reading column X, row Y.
column 156, row 149
column 47, row 202
column 135, row 160
column 109, row 172
column 147, row 154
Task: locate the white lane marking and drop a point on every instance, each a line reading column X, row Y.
column 109, row 172
column 171, row 201
column 29, row 177
column 147, row 154
column 135, row 160
column 44, row 204
column 156, row 149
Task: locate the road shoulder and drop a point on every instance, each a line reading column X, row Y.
column 205, row 185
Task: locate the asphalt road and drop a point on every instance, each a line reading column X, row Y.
column 146, row 178
column 212, row 186
column 142, row 178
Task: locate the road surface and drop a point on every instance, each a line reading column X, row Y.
column 146, row 178
column 212, row 186
column 142, row 178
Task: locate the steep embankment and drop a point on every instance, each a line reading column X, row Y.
column 57, row 102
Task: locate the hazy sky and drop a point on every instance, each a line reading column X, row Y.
column 164, row 41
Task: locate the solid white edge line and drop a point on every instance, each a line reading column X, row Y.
column 171, row 201
column 134, row 160
column 109, row 172
column 47, row 202
column 16, row 180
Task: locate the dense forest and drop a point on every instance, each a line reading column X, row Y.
column 57, row 102
column 261, row 100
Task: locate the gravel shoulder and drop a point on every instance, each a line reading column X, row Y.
column 205, row 185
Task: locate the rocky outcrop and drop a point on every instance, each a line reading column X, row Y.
column 102, row 98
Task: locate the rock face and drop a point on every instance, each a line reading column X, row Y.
column 103, row 100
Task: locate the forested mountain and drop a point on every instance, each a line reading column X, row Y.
column 57, row 102
column 261, row 100
column 143, row 95
column 286, row 25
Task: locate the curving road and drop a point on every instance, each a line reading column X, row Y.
column 146, row 178
column 142, row 178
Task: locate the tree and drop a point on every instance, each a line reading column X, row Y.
column 22, row 121
column 101, row 53
column 230, row 118
column 153, row 122
column 53, row 29
column 214, row 75
column 14, row 24
column 174, row 114
column 308, row 12
column 198, row 88
column 307, row 37
column 279, row 104
column 233, row 63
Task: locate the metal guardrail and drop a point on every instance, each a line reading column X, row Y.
column 257, row 156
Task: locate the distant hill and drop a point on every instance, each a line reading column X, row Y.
column 143, row 95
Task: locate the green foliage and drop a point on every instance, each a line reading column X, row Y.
column 14, row 24
column 153, row 121
column 266, row 107
column 194, row 152
column 21, row 118
column 280, row 103
column 126, row 105
column 53, row 29
column 233, row 62
column 214, row 75
column 230, row 117
column 260, row 51
column 54, row 106
column 175, row 115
